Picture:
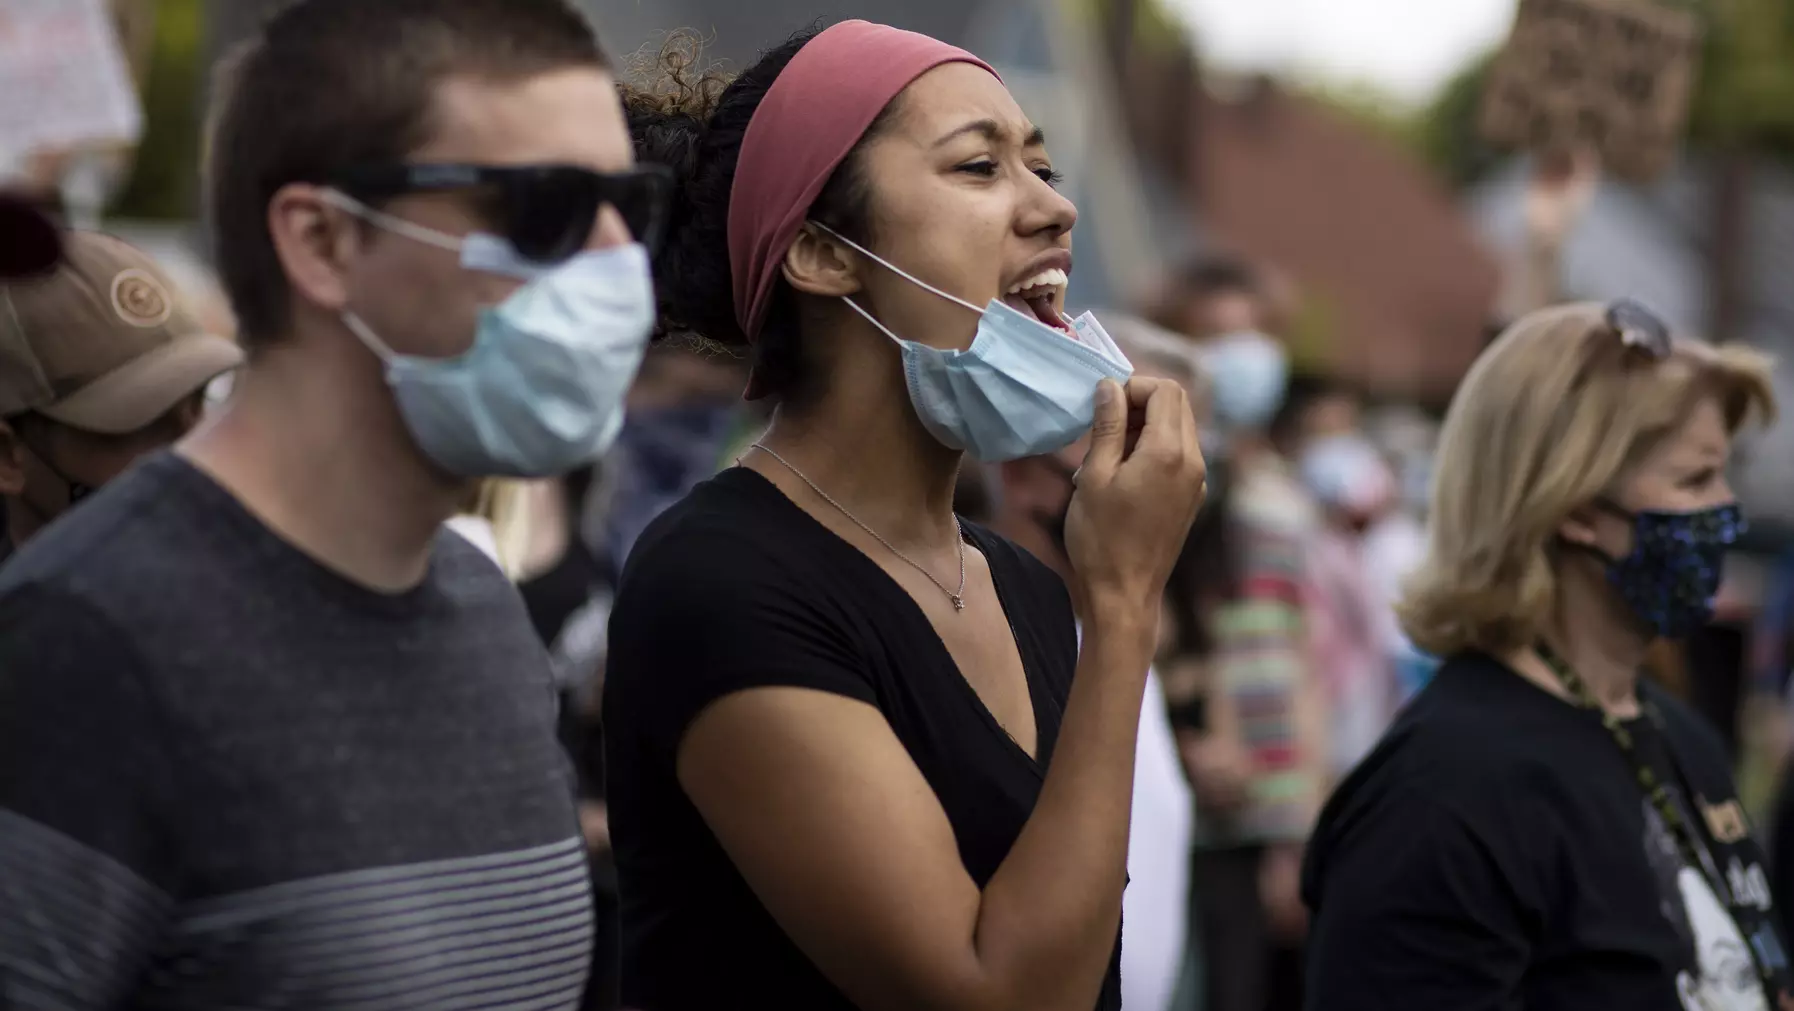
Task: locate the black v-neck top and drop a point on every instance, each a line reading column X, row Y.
column 736, row 587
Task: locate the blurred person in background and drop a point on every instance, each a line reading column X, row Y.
column 1253, row 738
column 101, row 364
column 273, row 737
column 1032, row 498
column 683, row 409
column 1395, row 544
column 1541, row 827
column 1354, row 661
column 850, row 765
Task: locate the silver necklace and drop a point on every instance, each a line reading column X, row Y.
column 957, row 597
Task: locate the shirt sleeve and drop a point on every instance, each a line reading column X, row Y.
column 706, row 616
column 1263, row 645
column 86, row 866
column 1413, row 911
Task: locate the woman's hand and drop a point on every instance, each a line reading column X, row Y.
column 1137, row 493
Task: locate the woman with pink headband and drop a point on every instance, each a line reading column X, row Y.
column 859, row 754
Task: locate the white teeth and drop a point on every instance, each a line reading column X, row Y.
column 1050, row 277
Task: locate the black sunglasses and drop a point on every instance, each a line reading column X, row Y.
column 545, row 211
column 1638, row 327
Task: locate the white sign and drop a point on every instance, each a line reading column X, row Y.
column 64, row 80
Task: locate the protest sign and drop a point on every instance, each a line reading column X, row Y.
column 64, row 79
column 1612, row 75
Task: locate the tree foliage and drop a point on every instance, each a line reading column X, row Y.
column 1745, row 96
column 164, row 177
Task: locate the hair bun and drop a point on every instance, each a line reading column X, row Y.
column 670, row 102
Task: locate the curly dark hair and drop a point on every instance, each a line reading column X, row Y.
column 694, row 120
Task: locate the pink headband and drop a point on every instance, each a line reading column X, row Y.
column 812, row 116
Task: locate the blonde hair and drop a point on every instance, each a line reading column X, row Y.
column 501, row 503
column 1555, row 411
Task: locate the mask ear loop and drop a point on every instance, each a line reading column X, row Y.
column 365, row 333
column 893, row 268
column 397, row 225
column 481, row 251
column 855, row 306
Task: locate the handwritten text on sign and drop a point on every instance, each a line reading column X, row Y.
column 63, row 78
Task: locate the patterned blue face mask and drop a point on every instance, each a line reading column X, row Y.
column 1671, row 576
column 1022, row 389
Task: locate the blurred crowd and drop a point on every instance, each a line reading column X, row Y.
column 1280, row 663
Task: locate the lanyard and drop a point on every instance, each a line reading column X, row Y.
column 1696, row 855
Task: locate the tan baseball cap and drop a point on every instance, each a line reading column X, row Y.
column 103, row 344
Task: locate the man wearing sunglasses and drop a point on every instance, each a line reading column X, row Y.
column 270, row 736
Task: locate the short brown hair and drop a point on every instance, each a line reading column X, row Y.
column 331, row 84
column 1554, row 412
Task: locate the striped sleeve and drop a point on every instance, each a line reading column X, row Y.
column 1265, row 670
column 85, row 863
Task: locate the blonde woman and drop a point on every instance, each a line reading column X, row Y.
column 1540, row 829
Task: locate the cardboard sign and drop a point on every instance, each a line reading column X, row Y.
column 1614, row 75
column 64, row 80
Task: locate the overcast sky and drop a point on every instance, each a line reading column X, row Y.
column 1407, row 48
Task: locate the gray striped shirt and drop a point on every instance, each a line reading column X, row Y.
column 231, row 779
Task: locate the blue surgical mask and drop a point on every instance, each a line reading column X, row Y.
column 1250, row 374
column 1346, row 472
column 1671, row 577
column 540, row 392
column 1021, row 389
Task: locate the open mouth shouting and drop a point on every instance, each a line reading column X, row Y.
column 1041, row 292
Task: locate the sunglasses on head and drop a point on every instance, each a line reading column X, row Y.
column 545, row 211
column 1638, row 327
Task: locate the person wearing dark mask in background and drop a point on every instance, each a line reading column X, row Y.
column 1256, row 793
column 683, row 405
column 100, row 365
column 1031, row 500
column 682, row 411
column 1541, row 827
column 274, row 735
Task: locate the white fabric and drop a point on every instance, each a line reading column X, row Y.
column 477, row 530
column 1155, row 908
column 1393, row 548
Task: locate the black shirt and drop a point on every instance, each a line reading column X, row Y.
column 1496, row 851
column 734, row 588
column 230, row 777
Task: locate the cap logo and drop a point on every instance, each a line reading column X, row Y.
column 139, row 299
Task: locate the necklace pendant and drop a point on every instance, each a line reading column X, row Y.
column 959, row 602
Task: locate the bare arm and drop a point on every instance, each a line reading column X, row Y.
column 1556, row 197
column 828, row 819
